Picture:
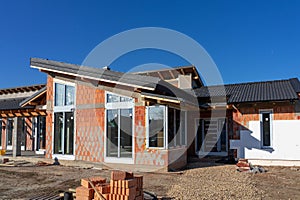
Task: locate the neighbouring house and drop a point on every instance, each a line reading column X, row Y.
column 262, row 122
column 22, row 119
column 158, row 118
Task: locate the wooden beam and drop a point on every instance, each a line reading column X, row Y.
column 160, row 75
column 171, row 72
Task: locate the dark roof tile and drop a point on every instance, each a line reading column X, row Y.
column 277, row 90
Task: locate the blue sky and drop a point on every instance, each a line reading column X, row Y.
column 248, row 40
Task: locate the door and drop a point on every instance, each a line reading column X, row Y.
column 211, row 137
column 119, row 133
column 39, row 129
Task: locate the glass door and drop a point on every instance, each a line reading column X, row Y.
column 211, row 137
column 119, row 133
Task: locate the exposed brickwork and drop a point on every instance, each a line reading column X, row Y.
column 49, row 117
column 29, row 134
column 143, row 155
column 89, row 95
column 3, row 133
column 89, row 144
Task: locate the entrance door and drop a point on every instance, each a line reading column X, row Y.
column 211, row 137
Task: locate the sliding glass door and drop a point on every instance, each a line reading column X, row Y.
column 119, row 133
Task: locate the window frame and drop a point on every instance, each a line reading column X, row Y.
column 270, row 112
column 165, row 121
column 119, row 106
column 64, row 109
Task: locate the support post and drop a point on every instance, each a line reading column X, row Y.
column 17, row 136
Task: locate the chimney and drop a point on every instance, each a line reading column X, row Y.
column 185, row 81
column 106, row 68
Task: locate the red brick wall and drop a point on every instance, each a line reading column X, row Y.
column 3, row 133
column 49, row 117
column 144, row 156
column 29, row 135
column 89, row 145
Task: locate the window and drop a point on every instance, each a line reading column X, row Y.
column 156, row 126
column 266, row 128
column 112, row 98
column 9, row 133
column 64, row 95
column 63, row 133
column 119, row 133
column 64, row 103
column 176, row 127
column 119, row 126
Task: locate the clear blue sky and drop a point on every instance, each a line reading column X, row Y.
column 248, row 40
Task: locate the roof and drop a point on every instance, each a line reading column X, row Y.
column 21, row 89
column 128, row 79
column 33, row 97
column 12, row 104
column 172, row 73
column 278, row 90
column 148, row 83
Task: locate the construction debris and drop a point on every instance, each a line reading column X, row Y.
column 244, row 166
column 122, row 186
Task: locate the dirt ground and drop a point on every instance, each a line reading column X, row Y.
column 199, row 181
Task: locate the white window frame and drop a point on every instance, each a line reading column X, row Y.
column 165, row 127
column 63, row 109
column 118, row 106
column 270, row 112
column 185, row 128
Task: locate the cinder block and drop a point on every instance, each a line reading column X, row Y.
column 83, row 191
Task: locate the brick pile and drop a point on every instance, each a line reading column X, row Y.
column 122, row 186
column 243, row 165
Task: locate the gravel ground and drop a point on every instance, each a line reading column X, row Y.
column 218, row 182
column 200, row 181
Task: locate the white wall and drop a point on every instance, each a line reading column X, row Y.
column 285, row 142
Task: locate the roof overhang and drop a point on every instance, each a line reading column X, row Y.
column 43, row 69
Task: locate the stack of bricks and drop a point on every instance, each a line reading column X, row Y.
column 126, row 186
column 243, row 165
column 122, row 186
column 86, row 191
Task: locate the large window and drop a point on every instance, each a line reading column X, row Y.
column 162, row 120
column 119, row 126
column 64, row 95
column 266, row 128
column 176, row 127
column 63, row 133
column 156, row 126
column 64, row 98
column 119, row 133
